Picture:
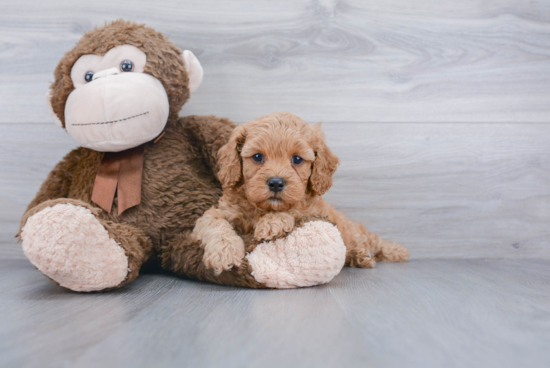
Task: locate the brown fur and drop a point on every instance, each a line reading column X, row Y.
column 164, row 61
column 248, row 206
column 178, row 183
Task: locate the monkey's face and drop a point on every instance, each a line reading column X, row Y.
column 120, row 85
column 115, row 106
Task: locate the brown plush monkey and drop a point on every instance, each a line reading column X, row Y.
column 133, row 191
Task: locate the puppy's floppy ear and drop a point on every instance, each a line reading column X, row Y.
column 229, row 159
column 325, row 163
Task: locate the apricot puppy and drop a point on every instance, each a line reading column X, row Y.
column 273, row 171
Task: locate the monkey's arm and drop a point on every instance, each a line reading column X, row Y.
column 208, row 134
column 184, row 256
column 311, row 255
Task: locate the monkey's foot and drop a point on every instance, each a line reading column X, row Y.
column 69, row 245
column 311, row 255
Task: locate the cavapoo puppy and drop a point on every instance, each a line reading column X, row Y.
column 273, row 171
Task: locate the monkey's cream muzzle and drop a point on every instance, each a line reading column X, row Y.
column 117, row 111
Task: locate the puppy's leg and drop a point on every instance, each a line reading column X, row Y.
column 365, row 248
column 361, row 245
column 223, row 248
column 392, row 252
column 273, row 225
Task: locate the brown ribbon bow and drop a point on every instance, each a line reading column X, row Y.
column 119, row 172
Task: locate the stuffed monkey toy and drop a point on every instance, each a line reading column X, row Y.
column 131, row 193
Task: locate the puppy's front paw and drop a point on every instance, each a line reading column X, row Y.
column 273, row 225
column 223, row 253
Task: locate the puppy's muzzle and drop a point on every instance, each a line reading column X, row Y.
column 276, row 184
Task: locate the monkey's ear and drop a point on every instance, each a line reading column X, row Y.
column 194, row 70
column 55, row 118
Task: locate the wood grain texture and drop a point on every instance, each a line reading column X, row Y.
column 447, row 190
column 443, row 190
column 459, row 313
column 352, row 60
column 439, row 112
column 28, row 153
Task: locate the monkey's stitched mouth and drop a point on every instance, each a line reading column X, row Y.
column 114, row 121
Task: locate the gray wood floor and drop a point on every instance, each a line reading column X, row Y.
column 439, row 111
column 431, row 313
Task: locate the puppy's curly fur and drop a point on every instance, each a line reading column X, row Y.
column 264, row 149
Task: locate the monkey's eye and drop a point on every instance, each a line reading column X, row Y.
column 89, row 76
column 297, row 160
column 127, row 66
column 258, row 157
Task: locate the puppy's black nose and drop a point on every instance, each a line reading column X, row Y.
column 276, row 184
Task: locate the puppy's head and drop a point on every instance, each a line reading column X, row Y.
column 278, row 160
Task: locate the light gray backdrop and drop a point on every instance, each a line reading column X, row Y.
column 439, row 113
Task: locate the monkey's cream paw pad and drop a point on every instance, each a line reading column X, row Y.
column 68, row 244
column 311, row 255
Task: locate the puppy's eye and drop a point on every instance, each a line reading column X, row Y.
column 258, row 157
column 127, row 66
column 89, row 76
column 297, row 160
